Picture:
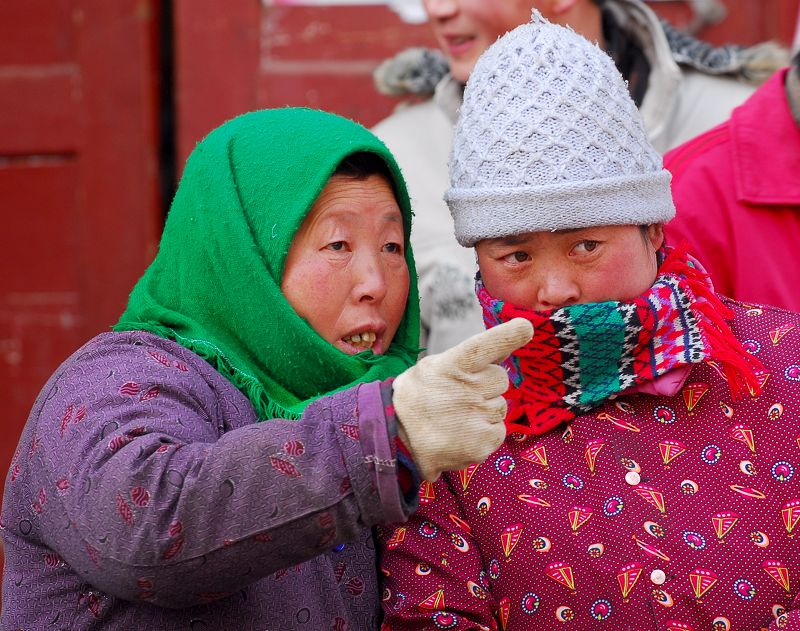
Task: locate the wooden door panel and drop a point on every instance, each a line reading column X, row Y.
column 40, row 108
column 79, row 181
column 318, row 33
column 41, row 257
column 216, row 66
column 36, row 32
column 315, row 89
column 257, row 54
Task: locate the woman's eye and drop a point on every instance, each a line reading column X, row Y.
column 393, row 248
column 336, row 246
column 588, row 246
column 516, row 257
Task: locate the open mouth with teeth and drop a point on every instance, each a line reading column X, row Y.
column 363, row 340
column 459, row 44
column 462, row 39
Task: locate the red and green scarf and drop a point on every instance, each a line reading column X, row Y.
column 583, row 354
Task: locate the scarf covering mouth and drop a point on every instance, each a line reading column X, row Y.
column 214, row 286
column 582, row 355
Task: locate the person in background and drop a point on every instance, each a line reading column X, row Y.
column 737, row 192
column 796, row 39
column 681, row 85
column 650, row 479
column 218, row 461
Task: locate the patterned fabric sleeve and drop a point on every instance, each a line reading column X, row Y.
column 433, row 572
column 142, row 476
column 787, row 619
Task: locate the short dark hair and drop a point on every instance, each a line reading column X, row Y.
column 362, row 164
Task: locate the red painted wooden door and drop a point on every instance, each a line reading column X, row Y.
column 747, row 22
column 255, row 54
column 268, row 53
column 79, row 187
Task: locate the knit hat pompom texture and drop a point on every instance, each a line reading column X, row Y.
column 547, row 139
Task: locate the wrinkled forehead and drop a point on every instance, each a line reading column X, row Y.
column 353, row 201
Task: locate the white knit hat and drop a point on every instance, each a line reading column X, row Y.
column 548, row 138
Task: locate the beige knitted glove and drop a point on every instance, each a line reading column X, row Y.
column 450, row 407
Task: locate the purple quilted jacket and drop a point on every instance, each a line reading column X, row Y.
column 144, row 495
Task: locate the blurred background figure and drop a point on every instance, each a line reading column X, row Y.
column 706, row 13
column 681, row 85
column 796, row 42
column 737, row 192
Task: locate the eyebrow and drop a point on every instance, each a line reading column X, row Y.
column 388, row 217
column 514, row 239
column 396, row 217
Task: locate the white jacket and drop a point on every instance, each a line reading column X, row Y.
column 679, row 104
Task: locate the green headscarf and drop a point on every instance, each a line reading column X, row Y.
column 214, row 286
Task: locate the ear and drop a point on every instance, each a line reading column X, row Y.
column 655, row 234
column 560, row 7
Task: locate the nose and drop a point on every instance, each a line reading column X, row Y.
column 370, row 279
column 556, row 289
column 441, row 9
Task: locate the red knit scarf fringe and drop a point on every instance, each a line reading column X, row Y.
column 740, row 368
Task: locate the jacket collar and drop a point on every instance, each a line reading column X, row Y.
column 449, row 95
column 665, row 75
column 766, row 172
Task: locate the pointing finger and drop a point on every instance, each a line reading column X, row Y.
column 494, row 345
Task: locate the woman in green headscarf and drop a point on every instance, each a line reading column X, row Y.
column 283, row 291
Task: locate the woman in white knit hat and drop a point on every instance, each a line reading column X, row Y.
column 683, row 87
column 643, row 417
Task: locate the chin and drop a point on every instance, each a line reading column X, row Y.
column 461, row 70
